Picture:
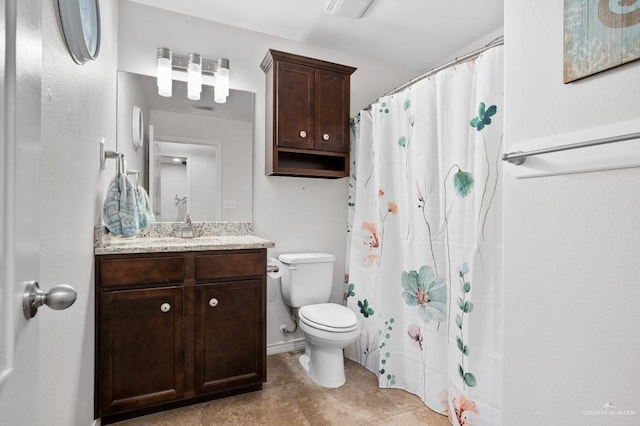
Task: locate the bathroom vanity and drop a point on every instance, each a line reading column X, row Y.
column 178, row 321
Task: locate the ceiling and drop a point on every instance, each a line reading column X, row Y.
column 417, row 34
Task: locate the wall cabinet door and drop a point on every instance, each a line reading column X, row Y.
column 141, row 348
column 331, row 111
column 295, row 106
column 229, row 341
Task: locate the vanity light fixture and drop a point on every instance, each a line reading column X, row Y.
column 196, row 68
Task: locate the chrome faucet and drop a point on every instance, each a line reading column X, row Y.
column 187, row 227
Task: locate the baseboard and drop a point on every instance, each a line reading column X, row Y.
column 96, row 422
column 287, row 346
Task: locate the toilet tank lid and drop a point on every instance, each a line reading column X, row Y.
column 297, row 258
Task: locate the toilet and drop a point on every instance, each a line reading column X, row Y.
column 328, row 327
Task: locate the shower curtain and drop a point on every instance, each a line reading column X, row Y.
column 425, row 240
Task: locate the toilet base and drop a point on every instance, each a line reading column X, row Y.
column 325, row 366
column 304, row 362
column 323, row 358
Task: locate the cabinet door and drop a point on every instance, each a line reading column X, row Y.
column 332, row 111
column 294, row 104
column 141, row 348
column 229, row 335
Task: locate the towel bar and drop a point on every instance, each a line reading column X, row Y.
column 519, row 158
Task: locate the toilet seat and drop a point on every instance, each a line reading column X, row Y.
column 329, row 317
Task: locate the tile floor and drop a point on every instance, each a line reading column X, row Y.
column 289, row 397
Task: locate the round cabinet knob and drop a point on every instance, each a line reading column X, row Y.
column 165, row 307
column 303, row 134
column 213, row 302
column 325, row 137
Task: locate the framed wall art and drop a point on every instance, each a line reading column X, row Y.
column 599, row 35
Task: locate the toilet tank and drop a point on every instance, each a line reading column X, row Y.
column 307, row 278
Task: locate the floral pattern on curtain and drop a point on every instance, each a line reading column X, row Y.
column 425, row 240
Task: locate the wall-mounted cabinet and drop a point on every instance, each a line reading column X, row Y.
column 307, row 116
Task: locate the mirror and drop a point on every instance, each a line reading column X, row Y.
column 190, row 156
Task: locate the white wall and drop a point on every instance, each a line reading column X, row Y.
column 298, row 214
column 571, row 317
column 78, row 108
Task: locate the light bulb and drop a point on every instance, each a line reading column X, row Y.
column 222, row 81
column 194, row 77
column 164, row 72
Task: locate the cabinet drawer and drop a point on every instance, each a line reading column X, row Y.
column 143, row 270
column 230, row 265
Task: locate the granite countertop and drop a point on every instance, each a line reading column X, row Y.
column 171, row 244
column 164, row 238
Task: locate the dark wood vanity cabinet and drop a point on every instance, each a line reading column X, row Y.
column 176, row 328
column 227, row 339
column 307, row 116
column 229, row 322
column 141, row 348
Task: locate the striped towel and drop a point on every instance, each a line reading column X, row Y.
column 120, row 211
column 145, row 212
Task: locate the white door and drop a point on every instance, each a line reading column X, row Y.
column 19, row 213
column 20, row 75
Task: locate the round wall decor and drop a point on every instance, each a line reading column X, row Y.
column 80, row 21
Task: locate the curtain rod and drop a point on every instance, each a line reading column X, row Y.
column 498, row 41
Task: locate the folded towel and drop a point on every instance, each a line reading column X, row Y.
column 120, row 209
column 145, row 212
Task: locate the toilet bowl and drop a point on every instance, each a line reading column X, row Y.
column 328, row 329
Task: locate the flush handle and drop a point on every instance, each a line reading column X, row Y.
column 59, row 297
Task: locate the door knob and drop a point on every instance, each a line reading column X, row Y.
column 59, row 297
